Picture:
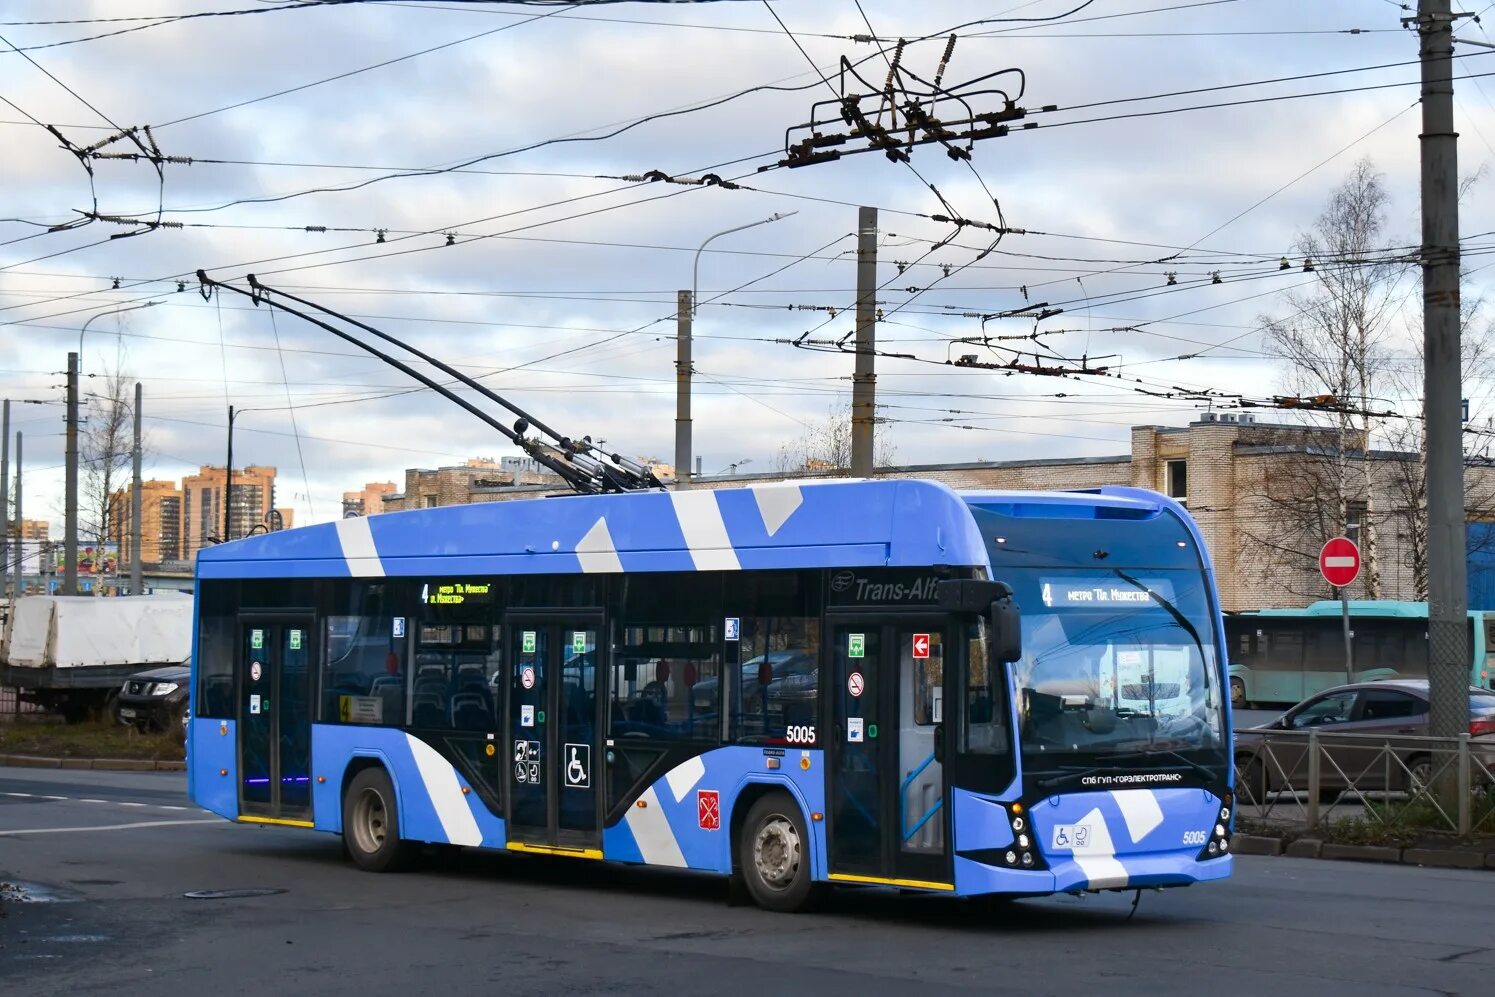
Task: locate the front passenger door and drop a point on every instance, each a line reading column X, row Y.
column 1325, row 713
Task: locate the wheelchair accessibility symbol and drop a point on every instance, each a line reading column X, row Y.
column 578, row 766
column 1071, row 836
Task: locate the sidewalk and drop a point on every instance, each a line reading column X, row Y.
column 97, row 764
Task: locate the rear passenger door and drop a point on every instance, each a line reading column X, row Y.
column 1389, row 713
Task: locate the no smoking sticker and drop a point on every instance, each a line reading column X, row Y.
column 527, row 676
column 255, row 671
column 855, row 684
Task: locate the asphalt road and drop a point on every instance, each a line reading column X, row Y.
column 111, row 855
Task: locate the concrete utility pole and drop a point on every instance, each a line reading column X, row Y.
column 864, row 381
column 70, row 498
column 4, row 496
column 684, row 303
column 1448, row 644
column 137, row 571
column 20, row 524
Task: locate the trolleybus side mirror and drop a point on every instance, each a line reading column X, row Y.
column 977, row 597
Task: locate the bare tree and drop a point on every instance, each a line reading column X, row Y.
column 105, row 443
column 1335, row 343
column 1409, row 482
column 827, row 446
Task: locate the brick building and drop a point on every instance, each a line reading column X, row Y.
column 1265, row 497
column 479, row 480
column 160, row 522
column 252, row 505
column 369, row 500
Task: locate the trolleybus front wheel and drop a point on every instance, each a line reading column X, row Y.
column 774, row 854
column 371, row 824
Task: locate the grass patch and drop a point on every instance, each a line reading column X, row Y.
column 1408, row 825
column 88, row 740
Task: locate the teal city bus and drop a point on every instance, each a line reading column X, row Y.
column 1282, row 656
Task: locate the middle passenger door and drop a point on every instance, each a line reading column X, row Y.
column 552, row 742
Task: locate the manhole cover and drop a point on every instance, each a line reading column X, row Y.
column 231, row 894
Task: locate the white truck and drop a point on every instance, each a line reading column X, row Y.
column 70, row 654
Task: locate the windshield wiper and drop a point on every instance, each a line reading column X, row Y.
column 1170, row 753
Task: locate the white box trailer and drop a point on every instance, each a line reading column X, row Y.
column 70, row 653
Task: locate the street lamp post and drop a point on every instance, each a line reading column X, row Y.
column 70, row 499
column 695, row 273
column 685, row 311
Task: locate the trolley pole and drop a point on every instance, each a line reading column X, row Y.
column 864, row 381
column 684, row 304
column 1448, row 658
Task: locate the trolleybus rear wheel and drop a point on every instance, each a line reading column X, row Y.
column 371, row 824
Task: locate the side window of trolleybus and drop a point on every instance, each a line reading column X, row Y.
column 363, row 680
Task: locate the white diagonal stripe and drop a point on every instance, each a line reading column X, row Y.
column 705, row 532
column 357, row 541
column 445, row 791
column 1140, row 809
column 683, row 777
column 596, row 551
column 1097, row 860
column 651, row 830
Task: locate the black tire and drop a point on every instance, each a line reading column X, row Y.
column 1251, row 780
column 371, row 824
column 1419, row 774
column 773, row 854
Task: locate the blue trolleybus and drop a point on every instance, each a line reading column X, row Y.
column 792, row 685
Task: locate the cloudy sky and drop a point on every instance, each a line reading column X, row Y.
column 292, row 134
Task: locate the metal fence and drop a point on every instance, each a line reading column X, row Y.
column 1309, row 779
column 11, row 705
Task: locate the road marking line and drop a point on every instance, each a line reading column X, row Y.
column 93, row 801
column 164, row 807
column 123, row 803
column 52, row 797
column 25, row 795
column 111, row 827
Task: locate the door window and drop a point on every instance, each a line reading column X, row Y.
column 921, row 788
column 1385, row 704
column 856, row 815
column 1335, row 708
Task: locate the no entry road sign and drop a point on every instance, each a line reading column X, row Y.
column 1339, row 561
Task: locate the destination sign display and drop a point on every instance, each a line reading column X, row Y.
column 456, row 593
column 1102, row 592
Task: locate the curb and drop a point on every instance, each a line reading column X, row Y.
column 1313, row 848
column 95, row 764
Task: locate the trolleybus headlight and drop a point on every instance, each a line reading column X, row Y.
column 1214, row 848
column 1012, row 858
column 1027, row 858
column 1018, row 824
column 1219, row 830
column 1224, row 814
column 1022, row 841
column 1223, row 846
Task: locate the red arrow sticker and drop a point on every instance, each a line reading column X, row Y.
column 921, row 645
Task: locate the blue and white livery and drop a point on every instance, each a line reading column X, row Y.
column 791, row 685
